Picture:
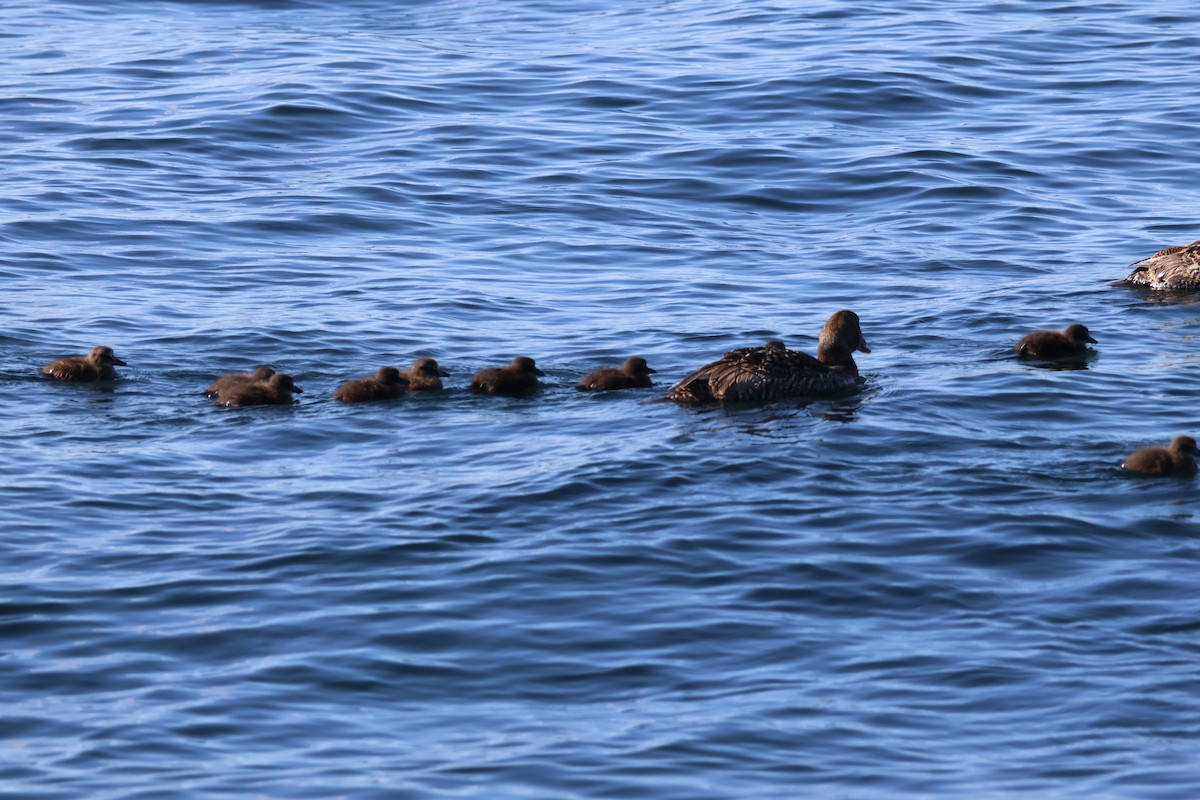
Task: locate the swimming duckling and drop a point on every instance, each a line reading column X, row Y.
column 232, row 380
column 1170, row 268
column 633, row 374
column 97, row 365
column 1070, row 341
column 1175, row 459
column 516, row 380
column 386, row 384
column 275, row 391
column 425, row 375
column 772, row 371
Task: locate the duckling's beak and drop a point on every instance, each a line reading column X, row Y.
column 650, row 371
column 1093, row 341
column 443, row 373
column 118, row 362
column 297, row 390
column 862, row 345
column 537, row 371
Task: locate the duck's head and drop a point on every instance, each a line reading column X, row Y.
column 842, row 331
column 525, row 365
column 103, row 356
column 429, row 368
column 1184, row 445
column 282, row 382
column 1079, row 334
column 636, row 365
column 390, row 376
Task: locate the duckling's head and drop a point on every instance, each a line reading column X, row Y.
column 282, row 382
column 1184, row 445
column 1079, row 334
column 636, row 365
column 429, row 368
column 389, row 376
column 525, row 365
column 102, row 355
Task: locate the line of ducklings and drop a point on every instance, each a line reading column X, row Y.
column 748, row 374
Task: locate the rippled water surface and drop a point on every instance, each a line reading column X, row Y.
column 939, row 586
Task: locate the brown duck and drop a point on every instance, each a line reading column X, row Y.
column 385, row 384
column 232, row 380
column 772, row 372
column 425, row 375
column 633, row 374
column 516, row 380
column 1178, row 458
column 275, row 391
column 97, row 365
column 1171, row 268
column 1070, row 341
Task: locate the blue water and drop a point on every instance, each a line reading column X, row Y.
column 940, row 587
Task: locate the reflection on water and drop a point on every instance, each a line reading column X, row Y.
column 594, row 596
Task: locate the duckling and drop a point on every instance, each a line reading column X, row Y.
column 385, row 384
column 228, row 382
column 771, row 372
column 633, row 374
column 1070, row 341
column 425, row 375
column 516, row 380
column 97, row 365
column 1170, row 268
column 1178, row 458
column 275, row 391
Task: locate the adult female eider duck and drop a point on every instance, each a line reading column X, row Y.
column 1070, row 341
column 228, row 382
column 97, row 365
column 1178, row 458
column 385, row 384
column 772, row 372
column 1171, row 268
column 425, row 376
column 516, row 380
column 633, row 374
column 276, row 391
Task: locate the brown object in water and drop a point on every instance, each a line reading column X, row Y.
column 1178, row 458
column 385, row 384
column 97, row 365
column 516, row 380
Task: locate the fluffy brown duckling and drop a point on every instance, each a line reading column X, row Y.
column 425, row 375
column 1170, row 268
column 232, row 380
column 1070, row 341
column 385, row 384
column 633, row 374
column 516, row 380
column 97, row 365
column 1177, row 458
column 772, row 371
column 275, row 391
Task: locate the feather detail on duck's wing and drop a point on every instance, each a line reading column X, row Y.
column 755, row 374
column 1170, row 268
